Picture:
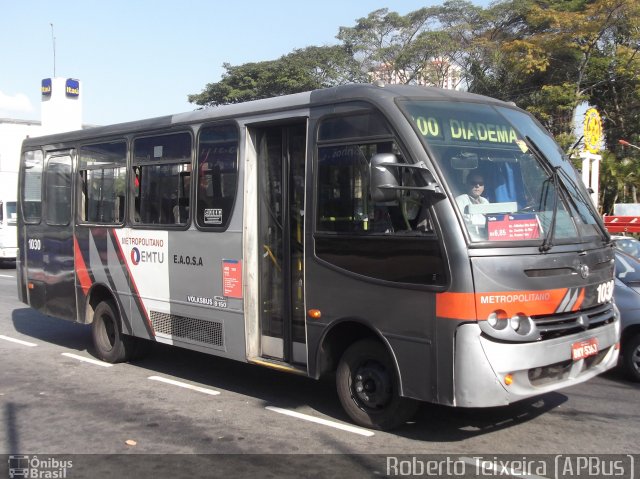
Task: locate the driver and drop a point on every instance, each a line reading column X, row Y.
column 473, row 196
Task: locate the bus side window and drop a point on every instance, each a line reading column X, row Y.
column 217, row 176
column 345, row 204
column 32, row 186
column 162, row 172
column 58, row 190
column 383, row 236
column 102, row 182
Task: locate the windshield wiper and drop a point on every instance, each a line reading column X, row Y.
column 586, row 201
column 547, row 244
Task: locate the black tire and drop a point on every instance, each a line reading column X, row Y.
column 368, row 387
column 631, row 357
column 110, row 344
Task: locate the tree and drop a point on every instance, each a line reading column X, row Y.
column 614, row 78
column 302, row 70
column 410, row 49
column 547, row 56
column 399, row 46
column 612, row 84
column 619, row 181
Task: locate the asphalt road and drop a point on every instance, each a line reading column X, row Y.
column 174, row 402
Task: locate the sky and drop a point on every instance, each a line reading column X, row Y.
column 141, row 58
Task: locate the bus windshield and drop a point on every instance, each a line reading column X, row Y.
column 509, row 178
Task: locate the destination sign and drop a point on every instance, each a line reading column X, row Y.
column 463, row 130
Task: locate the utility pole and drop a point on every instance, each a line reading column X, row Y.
column 591, row 153
column 53, row 39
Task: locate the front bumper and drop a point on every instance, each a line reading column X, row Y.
column 481, row 365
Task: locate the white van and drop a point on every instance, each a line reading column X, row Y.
column 8, row 230
column 8, row 216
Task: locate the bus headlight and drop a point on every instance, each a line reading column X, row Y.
column 498, row 320
column 515, row 322
column 518, row 327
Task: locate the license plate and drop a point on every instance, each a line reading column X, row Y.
column 584, row 349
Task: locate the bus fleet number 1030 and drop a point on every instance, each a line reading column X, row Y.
column 35, row 244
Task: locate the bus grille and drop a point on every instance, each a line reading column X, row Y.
column 560, row 371
column 199, row 330
column 573, row 322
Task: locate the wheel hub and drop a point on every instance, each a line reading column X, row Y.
column 372, row 386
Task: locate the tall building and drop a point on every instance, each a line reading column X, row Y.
column 12, row 132
column 61, row 105
column 438, row 72
column 61, row 110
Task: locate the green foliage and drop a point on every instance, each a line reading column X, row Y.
column 547, row 56
column 302, row 70
column 619, row 180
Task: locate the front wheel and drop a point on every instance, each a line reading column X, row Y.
column 111, row 345
column 631, row 357
column 368, row 387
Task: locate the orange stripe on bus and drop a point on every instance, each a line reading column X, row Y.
column 579, row 300
column 81, row 268
column 456, row 305
column 472, row 306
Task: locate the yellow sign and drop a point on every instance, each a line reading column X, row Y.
column 592, row 130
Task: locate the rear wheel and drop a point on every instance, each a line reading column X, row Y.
column 111, row 345
column 631, row 357
column 368, row 387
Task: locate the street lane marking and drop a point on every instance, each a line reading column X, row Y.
column 185, row 385
column 19, row 341
column 7, row 276
column 88, row 360
column 324, row 422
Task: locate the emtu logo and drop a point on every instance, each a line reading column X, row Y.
column 135, row 256
column 143, row 256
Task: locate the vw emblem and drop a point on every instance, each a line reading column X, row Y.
column 584, row 271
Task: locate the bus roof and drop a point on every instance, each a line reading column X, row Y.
column 336, row 94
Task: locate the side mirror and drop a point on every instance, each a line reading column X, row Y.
column 383, row 178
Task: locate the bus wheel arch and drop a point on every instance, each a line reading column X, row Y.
column 337, row 339
column 110, row 343
column 97, row 294
column 367, row 376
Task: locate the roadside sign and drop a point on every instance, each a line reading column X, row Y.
column 592, row 131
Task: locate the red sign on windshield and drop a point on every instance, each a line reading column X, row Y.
column 513, row 227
